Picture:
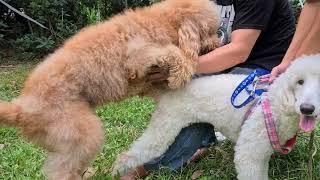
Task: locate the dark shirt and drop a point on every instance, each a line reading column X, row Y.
column 276, row 21
column 274, row 18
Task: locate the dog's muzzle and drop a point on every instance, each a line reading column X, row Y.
column 307, row 120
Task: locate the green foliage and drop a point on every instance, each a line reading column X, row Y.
column 62, row 17
column 34, row 43
column 296, row 6
column 2, row 25
column 92, row 15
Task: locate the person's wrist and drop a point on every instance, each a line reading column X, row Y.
column 286, row 63
column 289, row 57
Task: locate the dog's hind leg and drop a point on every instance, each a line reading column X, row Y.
column 157, row 138
column 73, row 142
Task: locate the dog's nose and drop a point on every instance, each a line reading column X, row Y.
column 307, row 109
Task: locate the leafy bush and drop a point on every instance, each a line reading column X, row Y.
column 62, row 17
column 296, row 6
column 92, row 15
column 2, row 26
column 34, row 43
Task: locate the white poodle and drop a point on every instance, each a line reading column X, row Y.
column 295, row 102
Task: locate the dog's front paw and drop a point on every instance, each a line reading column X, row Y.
column 179, row 76
column 171, row 63
column 176, row 80
column 123, row 164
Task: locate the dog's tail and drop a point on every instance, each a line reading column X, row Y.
column 9, row 113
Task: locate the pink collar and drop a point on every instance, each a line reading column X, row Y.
column 271, row 128
column 272, row 131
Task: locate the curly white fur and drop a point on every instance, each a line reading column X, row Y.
column 207, row 99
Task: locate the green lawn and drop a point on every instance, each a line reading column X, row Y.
column 123, row 122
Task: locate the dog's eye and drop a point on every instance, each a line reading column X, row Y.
column 300, row 82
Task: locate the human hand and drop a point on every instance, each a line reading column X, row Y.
column 276, row 71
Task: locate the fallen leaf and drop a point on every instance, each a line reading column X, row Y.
column 196, row 174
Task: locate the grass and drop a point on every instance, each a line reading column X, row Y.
column 124, row 122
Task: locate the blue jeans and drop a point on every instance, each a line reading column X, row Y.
column 189, row 140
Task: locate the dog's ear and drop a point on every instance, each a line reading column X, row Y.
column 289, row 94
column 189, row 39
column 284, row 85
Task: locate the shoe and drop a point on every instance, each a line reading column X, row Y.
column 199, row 154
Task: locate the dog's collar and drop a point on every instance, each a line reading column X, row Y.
column 270, row 126
column 263, row 100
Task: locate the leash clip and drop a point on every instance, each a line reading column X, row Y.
column 254, row 88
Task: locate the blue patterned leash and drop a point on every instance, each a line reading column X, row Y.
column 251, row 79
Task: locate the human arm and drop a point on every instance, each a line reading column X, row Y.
column 251, row 18
column 234, row 53
column 306, row 39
